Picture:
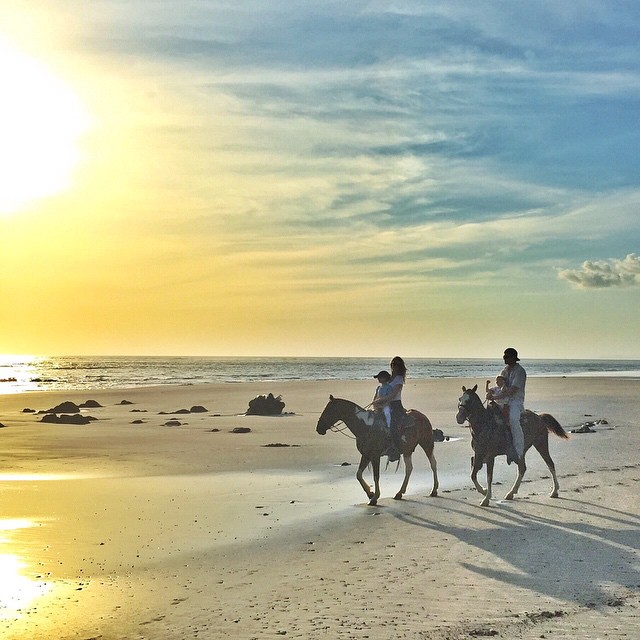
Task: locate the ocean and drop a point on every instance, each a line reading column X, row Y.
column 28, row 373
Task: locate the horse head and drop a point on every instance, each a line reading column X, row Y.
column 340, row 410
column 467, row 404
column 328, row 417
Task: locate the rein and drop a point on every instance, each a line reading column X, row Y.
column 343, row 430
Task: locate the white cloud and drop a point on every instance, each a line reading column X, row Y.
column 603, row 274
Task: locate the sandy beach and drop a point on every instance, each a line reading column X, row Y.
column 130, row 528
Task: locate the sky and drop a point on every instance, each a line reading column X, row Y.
column 363, row 178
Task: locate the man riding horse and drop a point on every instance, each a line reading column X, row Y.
column 513, row 393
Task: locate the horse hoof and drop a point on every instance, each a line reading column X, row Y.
column 485, row 503
column 398, row 496
column 373, row 502
column 509, row 496
column 554, row 494
column 433, row 494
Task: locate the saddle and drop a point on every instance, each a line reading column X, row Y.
column 501, row 414
column 380, row 422
column 407, row 422
column 501, row 419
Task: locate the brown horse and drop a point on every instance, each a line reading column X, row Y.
column 372, row 440
column 489, row 438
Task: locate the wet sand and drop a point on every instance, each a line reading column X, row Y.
column 122, row 530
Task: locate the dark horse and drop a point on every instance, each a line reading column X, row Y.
column 490, row 438
column 373, row 439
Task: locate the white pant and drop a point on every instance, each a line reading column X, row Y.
column 516, row 407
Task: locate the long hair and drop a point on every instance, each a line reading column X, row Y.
column 401, row 368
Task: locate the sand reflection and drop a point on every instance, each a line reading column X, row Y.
column 17, row 589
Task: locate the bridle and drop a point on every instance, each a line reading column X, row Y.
column 477, row 425
column 463, row 406
column 342, row 430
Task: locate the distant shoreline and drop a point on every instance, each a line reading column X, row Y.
column 85, row 373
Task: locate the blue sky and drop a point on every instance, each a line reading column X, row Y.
column 467, row 171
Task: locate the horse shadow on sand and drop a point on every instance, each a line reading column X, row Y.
column 556, row 554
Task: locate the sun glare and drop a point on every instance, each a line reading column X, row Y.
column 41, row 120
column 17, row 589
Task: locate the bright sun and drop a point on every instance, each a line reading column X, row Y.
column 41, row 120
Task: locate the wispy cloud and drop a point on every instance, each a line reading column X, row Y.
column 604, row 274
column 366, row 148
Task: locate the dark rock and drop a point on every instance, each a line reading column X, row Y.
column 90, row 404
column 241, row 430
column 125, row 402
column 265, row 405
column 27, row 410
column 172, row 423
column 276, row 444
column 8, row 380
column 77, row 418
column 585, row 428
column 198, row 409
column 65, row 407
column 138, row 422
column 180, row 411
column 3, row 426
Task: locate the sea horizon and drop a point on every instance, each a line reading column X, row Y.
column 39, row 373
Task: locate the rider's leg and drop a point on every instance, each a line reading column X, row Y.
column 515, row 411
column 396, row 415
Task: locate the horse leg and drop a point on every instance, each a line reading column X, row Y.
column 487, row 497
column 434, row 468
column 364, row 461
column 408, row 468
column 375, row 463
column 475, row 467
column 522, row 468
column 543, row 449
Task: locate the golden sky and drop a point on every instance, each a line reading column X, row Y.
column 253, row 179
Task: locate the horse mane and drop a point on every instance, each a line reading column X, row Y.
column 350, row 402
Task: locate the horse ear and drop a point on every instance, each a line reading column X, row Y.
column 475, row 389
column 330, row 397
column 464, row 388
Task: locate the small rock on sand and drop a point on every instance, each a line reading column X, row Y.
column 90, row 404
column 198, row 409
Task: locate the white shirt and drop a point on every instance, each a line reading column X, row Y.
column 397, row 380
column 515, row 376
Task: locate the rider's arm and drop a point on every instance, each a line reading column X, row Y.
column 380, row 401
column 397, row 388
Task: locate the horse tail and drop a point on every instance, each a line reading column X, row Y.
column 553, row 425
